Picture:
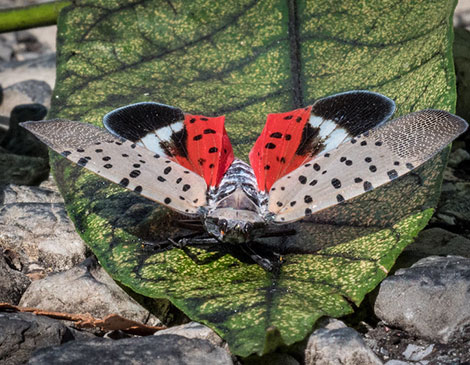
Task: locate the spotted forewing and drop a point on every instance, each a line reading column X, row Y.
column 123, row 162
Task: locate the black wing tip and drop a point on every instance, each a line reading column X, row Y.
column 134, row 121
column 390, row 103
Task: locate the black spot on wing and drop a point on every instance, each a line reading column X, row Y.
column 134, row 121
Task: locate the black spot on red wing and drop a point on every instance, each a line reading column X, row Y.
column 161, row 179
column 310, row 141
column 392, row 174
column 283, row 160
column 134, row 173
column 368, row 186
column 167, row 170
column 357, row 180
column 108, row 166
column 288, row 137
column 204, row 119
column 192, row 120
column 167, row 201
column 82, row 161
column 288, row 117
column 267, row 167
column 211, row 166
column 308, row 199
column 198, row 137
column 201, row 161
column 302, row 179
column 186, row 187
column 336, row 183
column 124, row 182
column 276, row 135
column 316, row 167
column 270, row 146
column 213, row 150
column 313, row 182
column 339, row 198
column 138, row 189
column 209, row 131
column 298, row 119
column 292, row 203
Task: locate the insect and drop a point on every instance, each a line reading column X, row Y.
column 304, row 161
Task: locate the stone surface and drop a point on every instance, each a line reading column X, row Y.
column 434, row 241
column 338, row 346
column 458, row 156
column 35, row 227
column 22, row 170
column 168, row 349
column 41, row 68
column 25, row 92
column 193, row 330
column 13, row 283
column 417, row 353
column 430, row 299
column 22, row 333
column 18, row 140
column 86, row 288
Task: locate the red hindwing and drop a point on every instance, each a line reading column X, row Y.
column 208, row 148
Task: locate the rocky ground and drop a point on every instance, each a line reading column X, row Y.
column 418, row 315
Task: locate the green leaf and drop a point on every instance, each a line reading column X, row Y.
column 246, row 60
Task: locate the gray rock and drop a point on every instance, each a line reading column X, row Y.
column 434, row 242
column 41, row 68
column 338, row 346
column 12, row 283
column 416, row 353
column 429, row 300
column 22, row 333
column 18, row 140
column 22, row 170
column 86, row 288
column 35, row 227
column 193, row 330
column 45, row 193
column 398, row 362
column 25, row 92
column 457, row 156
column 168, row 349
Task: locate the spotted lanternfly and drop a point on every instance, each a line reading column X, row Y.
column 304, row 161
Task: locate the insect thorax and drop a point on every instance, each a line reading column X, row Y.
column 236, row 210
